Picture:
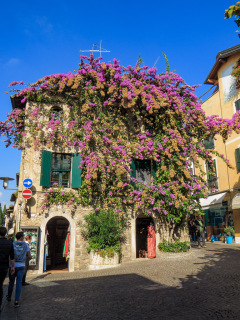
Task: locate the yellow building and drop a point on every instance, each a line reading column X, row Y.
column 222, row 207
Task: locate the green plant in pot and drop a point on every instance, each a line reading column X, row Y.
column 104, row 231
column 229, row 231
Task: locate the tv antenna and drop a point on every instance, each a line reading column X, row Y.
column 96, row 48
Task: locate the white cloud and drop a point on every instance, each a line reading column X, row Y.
column 44, row 24
column 12, row 62
column 0, row 194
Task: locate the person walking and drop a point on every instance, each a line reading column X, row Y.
column 200, row 231
column 6, row 253
column 21, row 250
column 28, row 240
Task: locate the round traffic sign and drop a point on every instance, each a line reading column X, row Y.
column 27, row 183
column 27, row 194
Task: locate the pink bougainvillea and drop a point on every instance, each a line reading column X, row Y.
column 114, row 115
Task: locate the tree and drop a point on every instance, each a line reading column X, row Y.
column 2, row 214
column 234, row 10
column 116, row 114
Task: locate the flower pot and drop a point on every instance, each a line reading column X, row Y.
column 98, row 262
column 229, row 239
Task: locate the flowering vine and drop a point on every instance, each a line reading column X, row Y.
column 113, row 114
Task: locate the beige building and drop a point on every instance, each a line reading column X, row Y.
column 50, row 227
column 222, row 207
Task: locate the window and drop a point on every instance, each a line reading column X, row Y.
column 209, row 143
column 237, row 105
column 60, row 168
column 56, row 113
column 212, row 178
column 143, row 170
column 237, row 155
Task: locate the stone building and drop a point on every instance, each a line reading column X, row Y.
column 49, row 227
column 222, row 207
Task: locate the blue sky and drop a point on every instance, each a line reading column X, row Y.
column 40, row 38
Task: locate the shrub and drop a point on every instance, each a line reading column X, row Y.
column 104, row 231
column 176, row 246
column 229, row 231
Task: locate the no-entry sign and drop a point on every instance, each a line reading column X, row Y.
column 27, row 194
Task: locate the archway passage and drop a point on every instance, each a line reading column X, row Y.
column 142, row 224
column 57, row 229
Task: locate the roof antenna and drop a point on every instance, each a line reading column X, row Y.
column 96, row 48
column 156, row 62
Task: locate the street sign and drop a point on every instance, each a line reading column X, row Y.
column 27, row 183
column 27, row 194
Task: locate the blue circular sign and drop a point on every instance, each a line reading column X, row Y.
column 27, row 183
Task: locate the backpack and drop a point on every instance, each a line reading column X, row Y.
column 20, row 251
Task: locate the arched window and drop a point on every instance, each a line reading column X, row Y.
column 56, row 113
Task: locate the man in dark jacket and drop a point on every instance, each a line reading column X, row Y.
column 6, row 252
column 200, row 231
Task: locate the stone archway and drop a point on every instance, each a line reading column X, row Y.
column 57, row 231
column 72, row 223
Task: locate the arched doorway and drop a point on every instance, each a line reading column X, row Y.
column 142, row 224
column 57, row 230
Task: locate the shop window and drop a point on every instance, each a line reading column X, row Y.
column 237, row 105
column 209, row 143
column 143, row 170
column 212, row 178
column 237, row 156
column 60, row 168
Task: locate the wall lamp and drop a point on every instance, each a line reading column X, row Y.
column 5, row 182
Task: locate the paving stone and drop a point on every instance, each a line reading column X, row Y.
column 200, row 284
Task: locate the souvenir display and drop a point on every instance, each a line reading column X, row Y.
column 33, row 246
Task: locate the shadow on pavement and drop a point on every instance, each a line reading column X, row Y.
column 212, row 292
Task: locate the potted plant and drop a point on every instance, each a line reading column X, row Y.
column 230, row 232
column 104, row 231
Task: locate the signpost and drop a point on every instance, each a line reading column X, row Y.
column 27, row 194
column 27, row 183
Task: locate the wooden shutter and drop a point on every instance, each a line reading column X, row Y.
column 237, row 154
column 76, row 171
column 46, row 168
column 237, row 105
column 154, row 169
column 133, row 172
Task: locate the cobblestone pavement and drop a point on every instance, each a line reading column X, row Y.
column 200, row 284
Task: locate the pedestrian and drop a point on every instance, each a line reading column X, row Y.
column 200, row 231
column 21, row 249
column 151, row 241
column 28, row 240
column 6, row 253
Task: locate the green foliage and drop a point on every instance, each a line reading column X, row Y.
column 104, row 231
column 233, row 10
column 229, row 231
column 176, row 246
column 167, row 62
column 1, row 216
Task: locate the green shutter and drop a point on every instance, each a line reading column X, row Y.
column 133, row 172
column 154, row 169
column 76, row 171
column 237, row 105
column 237, row 154
column 46, row 168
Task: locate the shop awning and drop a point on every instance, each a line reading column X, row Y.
column 214, row 201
